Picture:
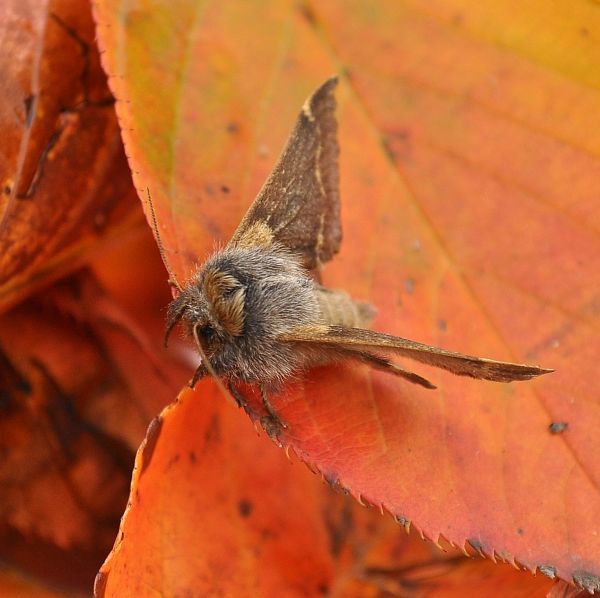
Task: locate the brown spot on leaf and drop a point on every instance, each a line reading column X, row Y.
column 212, row 433
column 339, row 523
column 397, row 144
column 232, row 127
column 29, row 103
column 151, row 439
column 307, row 13
column 388, row 149
column 458, row 19
column 245, row 507
column 558, row 427
column 172, row 461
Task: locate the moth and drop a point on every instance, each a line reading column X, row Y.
column 256, row 309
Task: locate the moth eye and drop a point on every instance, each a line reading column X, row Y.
column 206, row 331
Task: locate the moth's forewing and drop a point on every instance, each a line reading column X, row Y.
column 457, row 363
column 299, row 205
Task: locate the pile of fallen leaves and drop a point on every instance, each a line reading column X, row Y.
column 470, row 142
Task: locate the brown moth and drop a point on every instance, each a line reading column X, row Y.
column 255, row 309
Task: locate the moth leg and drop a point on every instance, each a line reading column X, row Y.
column 198, row 374
column 386, row 365
column 240, row 399
column 273, row 419
column 271, row 423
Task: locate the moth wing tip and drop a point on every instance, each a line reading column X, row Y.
column 542, row 371
column 328, row 85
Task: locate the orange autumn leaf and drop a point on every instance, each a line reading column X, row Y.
column 216, row 510
column 468, row 186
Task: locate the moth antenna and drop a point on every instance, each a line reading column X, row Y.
column 207, row 363
column 172, row 278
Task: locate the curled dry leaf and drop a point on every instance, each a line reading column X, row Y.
column 16, row 585
column 469, row 196
column 80, row 384
column 64, row 182
column 64, row 479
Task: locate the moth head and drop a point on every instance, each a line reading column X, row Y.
column 211, row 307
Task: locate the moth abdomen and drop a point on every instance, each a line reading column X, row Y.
column 339, row 309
